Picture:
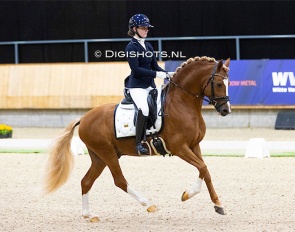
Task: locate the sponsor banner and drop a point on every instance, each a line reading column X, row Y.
column 258, row 82
column 245, row 82
column 278, row 86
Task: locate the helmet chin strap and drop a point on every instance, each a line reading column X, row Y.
column 136, row 32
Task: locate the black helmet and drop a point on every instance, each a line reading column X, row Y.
column 139, row 20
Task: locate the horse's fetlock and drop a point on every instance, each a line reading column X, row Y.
column 121, row 185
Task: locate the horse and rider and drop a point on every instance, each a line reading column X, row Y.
column 197, row 79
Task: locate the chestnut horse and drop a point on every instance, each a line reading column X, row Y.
column 183, row 130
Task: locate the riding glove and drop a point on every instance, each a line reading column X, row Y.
column 170, row 74
column 161, row 75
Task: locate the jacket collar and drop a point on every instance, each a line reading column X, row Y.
column 140, row 40
column 136, row 41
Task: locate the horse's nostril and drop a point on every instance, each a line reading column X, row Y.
column 224, row 112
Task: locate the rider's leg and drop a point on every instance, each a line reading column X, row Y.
column 139, row 97
column 140, row 131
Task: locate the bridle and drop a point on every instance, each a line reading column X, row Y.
column 212, row 99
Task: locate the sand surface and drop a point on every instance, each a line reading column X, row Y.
column 259, row 194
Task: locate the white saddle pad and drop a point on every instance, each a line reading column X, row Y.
column 124, row 115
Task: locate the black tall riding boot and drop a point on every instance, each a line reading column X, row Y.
column 140, row 133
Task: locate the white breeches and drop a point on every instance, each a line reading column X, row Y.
column 139, row 97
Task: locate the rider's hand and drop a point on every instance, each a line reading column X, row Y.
column 161, row 75
column 169, row 75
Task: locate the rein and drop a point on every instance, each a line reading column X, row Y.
column 212, row 100
column 195, row 95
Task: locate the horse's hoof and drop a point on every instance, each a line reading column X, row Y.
column 184, row 196
column 220, row 210
column 94, row 219
column 91, row 218
column 152, row 209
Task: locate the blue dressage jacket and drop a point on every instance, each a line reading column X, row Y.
column 143, row 65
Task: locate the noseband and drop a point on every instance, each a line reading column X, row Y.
column 212, row 100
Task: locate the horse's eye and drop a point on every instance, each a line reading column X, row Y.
column 219, row 85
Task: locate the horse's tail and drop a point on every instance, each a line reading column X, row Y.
column 60, row 160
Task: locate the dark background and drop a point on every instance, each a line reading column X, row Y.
column 59, row 20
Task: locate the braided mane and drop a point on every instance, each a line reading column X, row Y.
column 190, row 60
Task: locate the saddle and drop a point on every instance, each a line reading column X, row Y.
column 126, row 114
column 152, row 103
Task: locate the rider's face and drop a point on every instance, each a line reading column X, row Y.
column 143, row 31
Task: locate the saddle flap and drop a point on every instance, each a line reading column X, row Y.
column 124, row 119
column 126, row 106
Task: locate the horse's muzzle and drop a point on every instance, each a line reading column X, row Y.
column 224, row 112
column 223, row 109
column 222, row 105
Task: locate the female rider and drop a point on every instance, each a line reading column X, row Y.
column 144, row 68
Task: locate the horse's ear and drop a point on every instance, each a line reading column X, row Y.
column 224, row 66
column 227, row 62
column 220, row 64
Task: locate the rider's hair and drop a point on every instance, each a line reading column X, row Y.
column 131, row 33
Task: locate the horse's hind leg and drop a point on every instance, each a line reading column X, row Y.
column 112, row 162
column 96, row 168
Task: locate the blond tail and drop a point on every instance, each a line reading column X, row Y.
column 60, row 160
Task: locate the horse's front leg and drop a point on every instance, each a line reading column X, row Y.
column 194, row 157
column 219, row 208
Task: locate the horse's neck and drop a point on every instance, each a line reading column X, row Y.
column 186, row 96
column 181, row 102
column 189, row 85
column 183, row 111
column 192, row 77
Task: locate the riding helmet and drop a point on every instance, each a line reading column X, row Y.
column 139, row 20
